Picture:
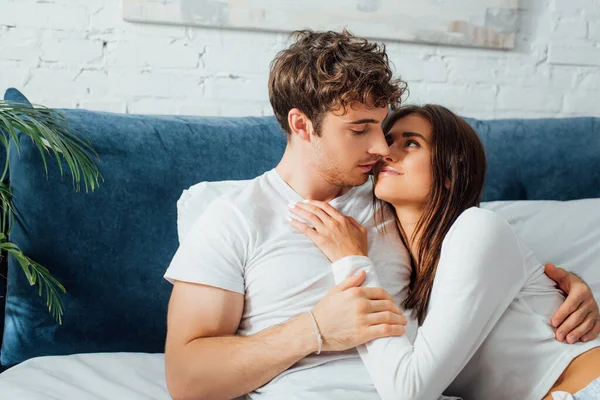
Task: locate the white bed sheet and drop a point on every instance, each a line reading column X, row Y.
column 114, row 376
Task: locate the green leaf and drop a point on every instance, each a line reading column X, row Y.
column 52, row 134
column 36, row 273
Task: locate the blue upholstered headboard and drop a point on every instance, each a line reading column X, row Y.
column 110, row 248
column 541, row 159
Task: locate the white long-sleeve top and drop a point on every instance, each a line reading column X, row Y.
column 487, row 334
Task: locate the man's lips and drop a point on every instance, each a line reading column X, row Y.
column 367, row 167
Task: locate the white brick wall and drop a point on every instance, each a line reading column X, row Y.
column 73, row 53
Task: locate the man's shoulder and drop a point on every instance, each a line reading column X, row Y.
column 249, row 204
column 228, row 214
column 247, row 195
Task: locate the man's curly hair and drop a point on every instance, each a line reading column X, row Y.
column 324, row 71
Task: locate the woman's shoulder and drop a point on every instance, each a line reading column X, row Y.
column 485, row 237
column 481, row 223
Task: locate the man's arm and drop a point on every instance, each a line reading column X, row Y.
column 578, row 317
column 203, row 358
column 205, row 361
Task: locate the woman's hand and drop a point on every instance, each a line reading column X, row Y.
column 335, row 234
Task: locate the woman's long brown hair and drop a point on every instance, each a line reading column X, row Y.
column 458, row 169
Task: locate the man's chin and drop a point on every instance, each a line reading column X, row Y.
column 347, row 180
column 359, row 181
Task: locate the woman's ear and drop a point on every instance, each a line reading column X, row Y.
column 300, row 125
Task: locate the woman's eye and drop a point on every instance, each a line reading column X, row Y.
column 359, row 132
column 412, row 143
column 389, row 140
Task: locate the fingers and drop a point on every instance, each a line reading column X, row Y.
column 356, row 224
column 550, row 269
column 386, row 317
column 320, row 214
column 565, row 330
column 583, row 328
column 383, row 305
column 383, row 330
column 593, row 334
column 373, row 293
column 582, row 318
column 315, row 216
column 565, row 310
column 335, row 214
column 327, row 208
column 305, row 229
column 558, row 275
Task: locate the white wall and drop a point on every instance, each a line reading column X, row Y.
column 80, row 53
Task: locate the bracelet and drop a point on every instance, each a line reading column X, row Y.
column 319, row 337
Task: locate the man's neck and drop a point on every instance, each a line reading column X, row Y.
column 302, row 176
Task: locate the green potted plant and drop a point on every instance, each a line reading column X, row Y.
column 53, row 136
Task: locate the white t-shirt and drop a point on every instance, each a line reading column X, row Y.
column 487, row 334
column 244, row 243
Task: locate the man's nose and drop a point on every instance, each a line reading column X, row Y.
column 380, row 146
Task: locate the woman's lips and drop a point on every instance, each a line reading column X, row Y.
column 388, row 171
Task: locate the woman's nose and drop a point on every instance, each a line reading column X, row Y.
column 389, row 158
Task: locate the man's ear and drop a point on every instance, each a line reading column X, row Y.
column 300, row 126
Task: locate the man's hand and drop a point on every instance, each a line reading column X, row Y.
column 349, row 315
column 578, row 317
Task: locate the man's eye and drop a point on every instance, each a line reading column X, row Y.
column 359, row 132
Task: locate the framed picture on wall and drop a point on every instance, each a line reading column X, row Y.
column 476, row 23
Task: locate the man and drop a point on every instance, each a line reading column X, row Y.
column 252, row 297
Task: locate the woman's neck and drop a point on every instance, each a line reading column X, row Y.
column 408, row 217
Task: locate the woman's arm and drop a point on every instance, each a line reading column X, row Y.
column 480, row 272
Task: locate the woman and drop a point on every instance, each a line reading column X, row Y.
column 482, row 300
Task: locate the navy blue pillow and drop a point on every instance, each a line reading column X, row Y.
column 16, row 96
column 110, row 248
column 541, row 159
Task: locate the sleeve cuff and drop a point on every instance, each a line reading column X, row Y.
column 198, row 278
column 350, row 265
